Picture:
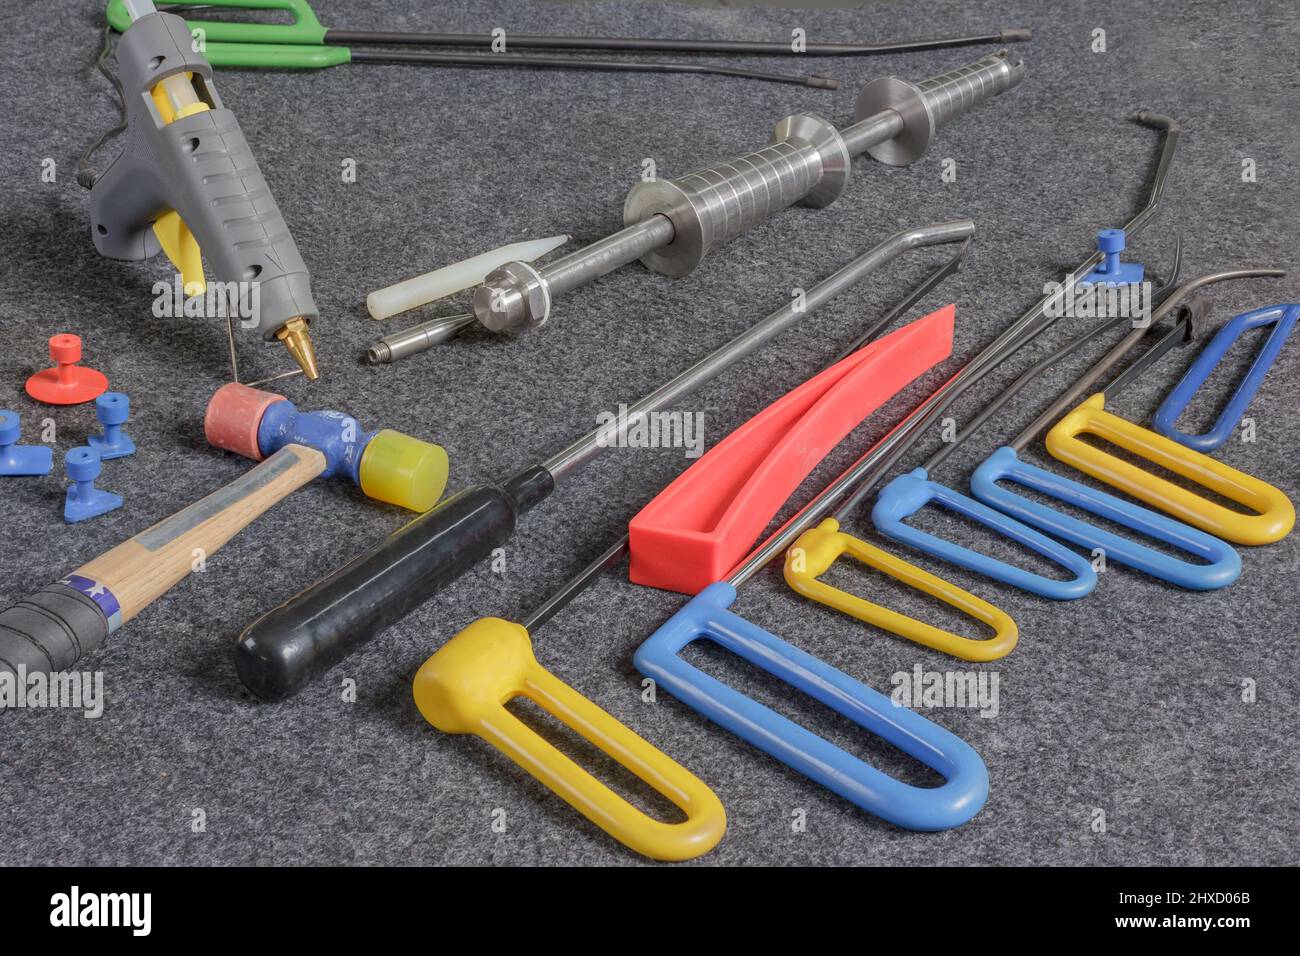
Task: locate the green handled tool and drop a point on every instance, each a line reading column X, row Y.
column 307, row 30
column 307, row 44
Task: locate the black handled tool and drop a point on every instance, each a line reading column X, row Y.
column 311, row 632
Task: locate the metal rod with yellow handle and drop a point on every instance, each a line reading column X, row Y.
column 463, row 689
column 1274, row 514
column 816, row 550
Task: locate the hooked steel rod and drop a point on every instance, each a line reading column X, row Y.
column 753, row 339
column 859, row 480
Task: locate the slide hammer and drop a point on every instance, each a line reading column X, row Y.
column 672, row 224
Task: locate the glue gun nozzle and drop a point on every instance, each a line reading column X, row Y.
column 297, row 340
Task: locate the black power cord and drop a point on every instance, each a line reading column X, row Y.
column 85, row 175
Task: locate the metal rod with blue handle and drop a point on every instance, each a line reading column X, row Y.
column 1216, row 564
column 966, row 780
column 907, row 494
column 1283, row 319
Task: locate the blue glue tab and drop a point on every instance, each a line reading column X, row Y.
column 1110, row 243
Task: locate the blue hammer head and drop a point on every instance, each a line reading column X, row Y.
column 386, row 465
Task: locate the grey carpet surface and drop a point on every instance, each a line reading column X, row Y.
column 1127, row 704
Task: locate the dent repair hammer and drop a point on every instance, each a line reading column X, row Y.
column 62, row 623
column 187, row 184
column 671, row 225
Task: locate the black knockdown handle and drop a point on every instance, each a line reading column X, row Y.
column 304, row 637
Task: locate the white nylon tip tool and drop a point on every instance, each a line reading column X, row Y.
column 440, row 283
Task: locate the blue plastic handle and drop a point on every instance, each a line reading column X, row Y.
column 908, row 494
column 1004, row 465
column 1167, row 414
column 966, row 785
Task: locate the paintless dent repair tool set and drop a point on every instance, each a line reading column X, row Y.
column 1150, row 497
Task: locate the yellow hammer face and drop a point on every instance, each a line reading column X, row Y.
column 1274, row 514
column 814, row 553
column 464, row 688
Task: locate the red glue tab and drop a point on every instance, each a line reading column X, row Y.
column 702, row 525
column 67, row 383
column 234, row 414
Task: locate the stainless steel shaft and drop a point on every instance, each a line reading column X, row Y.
column 753, row 339
column 521, row 289
column 417, row 338
column 673, row 224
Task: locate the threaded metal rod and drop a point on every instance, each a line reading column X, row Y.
column 417, row 338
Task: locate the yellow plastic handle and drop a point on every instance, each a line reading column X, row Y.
column 463, row 689
column 1275, row 514
column 812, row 555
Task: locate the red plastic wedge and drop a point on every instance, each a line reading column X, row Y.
column 700, row 526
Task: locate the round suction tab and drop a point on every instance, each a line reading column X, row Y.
column 67, row 383
column 404, row 471
column 234, row 414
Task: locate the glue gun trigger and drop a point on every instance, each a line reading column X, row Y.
column 182, row 249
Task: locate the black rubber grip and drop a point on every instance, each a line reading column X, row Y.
column 50, row 631
column 310, row 633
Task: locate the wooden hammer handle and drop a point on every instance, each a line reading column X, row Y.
column 62, row 623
